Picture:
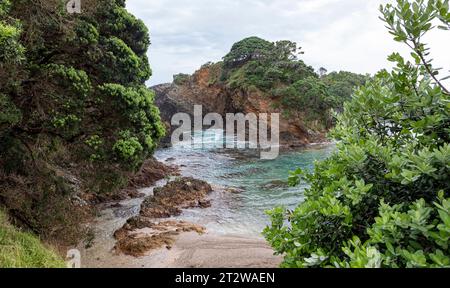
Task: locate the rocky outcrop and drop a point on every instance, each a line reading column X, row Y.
column 151, row 172
column 144, row 233
column 204, row 88
column 176, row 195
column 140, row 235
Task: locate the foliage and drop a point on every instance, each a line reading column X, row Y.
column 275, row 69
column 181, row 79
column 23, row 250
column 9, row 113
column 341, row 85
column 251, row 48
column 10, row 49
column 309, row 94
column 69, row 86
column 382, row 199
column 265, row 65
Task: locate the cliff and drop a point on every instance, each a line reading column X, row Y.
column 258, row 76
column 203, row 88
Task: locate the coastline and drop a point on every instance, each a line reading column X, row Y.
column 211, row 249
column 192, row 250
column 189, row 250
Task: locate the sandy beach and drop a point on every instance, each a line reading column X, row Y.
column 192, row 250
column 189, row 249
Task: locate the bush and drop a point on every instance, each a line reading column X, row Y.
column 382, row 199
column 10, row 49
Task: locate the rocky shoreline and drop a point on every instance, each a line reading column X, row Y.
column 150, row 237
column 146, row 232
column 164, row 224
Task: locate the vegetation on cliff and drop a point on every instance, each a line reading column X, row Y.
column 75, row 113
column 382, row 199
column 274, row 69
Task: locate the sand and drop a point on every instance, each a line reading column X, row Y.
column 191, row 250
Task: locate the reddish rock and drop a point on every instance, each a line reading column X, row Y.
column 176, row 195
column 215, row 97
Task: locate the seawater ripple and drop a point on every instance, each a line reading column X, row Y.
column 256, row 185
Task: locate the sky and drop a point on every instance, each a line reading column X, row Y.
column 334, row 34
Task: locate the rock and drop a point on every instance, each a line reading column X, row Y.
column 234, row 190
column 166, row 201
column 156, row 236
column 215, row 97
column 170, row 199
column 141, row 234
column 151, row 172
column 138, row 245
column 204, row 203
column 275, row 184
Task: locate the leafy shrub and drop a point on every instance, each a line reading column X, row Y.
column 341, row 85
column 128, row 148
column 382, row 199
column 121, row 64
column 9, row 113
column 10, row 48
column 309, row 95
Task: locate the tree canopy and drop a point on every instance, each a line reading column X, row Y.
column 275, row 69
column 251, row 48
column 73, row 102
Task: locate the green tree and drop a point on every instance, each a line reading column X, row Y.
column 322, row 71
column 310, row 96
column 251, row 48
column 341, row 85
column 382, row 199
column 286, row 50
column 275, row 69
column 74, row 105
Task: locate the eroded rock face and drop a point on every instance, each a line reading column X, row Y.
column 144, row 233
column 217, row 98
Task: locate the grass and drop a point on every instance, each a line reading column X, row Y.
column 20, row 249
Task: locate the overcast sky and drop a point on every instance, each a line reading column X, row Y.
column 335, row 34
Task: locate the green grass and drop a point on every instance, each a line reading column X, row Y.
column 23, row 250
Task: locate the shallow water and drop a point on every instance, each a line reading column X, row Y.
column 256, row 185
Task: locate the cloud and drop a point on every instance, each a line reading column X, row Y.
column 335, row 34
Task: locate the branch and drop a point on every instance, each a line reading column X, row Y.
column 427, row 67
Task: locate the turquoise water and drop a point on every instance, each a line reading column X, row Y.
column 245, row 186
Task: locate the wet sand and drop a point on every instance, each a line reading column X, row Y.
column 196, row 251
column 209, row 250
